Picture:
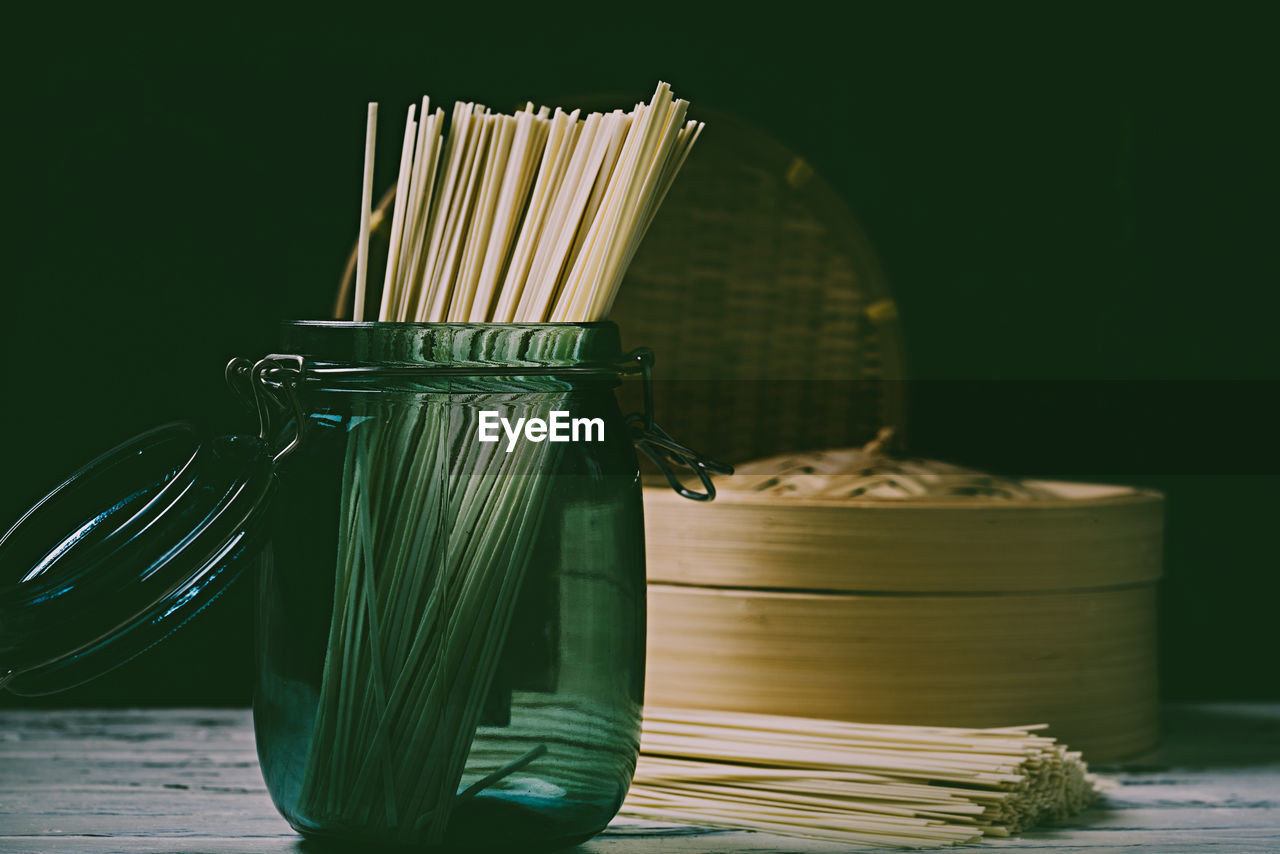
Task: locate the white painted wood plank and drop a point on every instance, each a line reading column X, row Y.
column 188, row 780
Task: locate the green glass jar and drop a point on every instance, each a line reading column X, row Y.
column 451, row 629
column 446, row 526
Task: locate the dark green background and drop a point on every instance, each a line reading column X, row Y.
column 1088, row 195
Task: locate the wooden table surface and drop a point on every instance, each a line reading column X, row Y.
column 187, row 780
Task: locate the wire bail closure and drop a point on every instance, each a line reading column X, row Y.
column 657, row 444
column 275, row 379
column 272, row 379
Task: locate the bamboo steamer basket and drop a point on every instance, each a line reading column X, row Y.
column 973, row 612
column 775, row 332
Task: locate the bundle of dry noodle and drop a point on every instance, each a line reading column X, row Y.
column 529, row 217
column 894, row 786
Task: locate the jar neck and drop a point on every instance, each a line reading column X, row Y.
column 456, row 345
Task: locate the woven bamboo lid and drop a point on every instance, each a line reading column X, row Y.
column 765, row 304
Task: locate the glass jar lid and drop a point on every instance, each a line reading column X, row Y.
column 125, row 551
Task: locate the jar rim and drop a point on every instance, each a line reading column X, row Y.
column 514, row 348
column 409, row 324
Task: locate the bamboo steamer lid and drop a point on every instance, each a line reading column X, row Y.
column 765, row 303
column 979, row 603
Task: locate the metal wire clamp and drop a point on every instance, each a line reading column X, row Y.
column 656, row 444
column 272, row 379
